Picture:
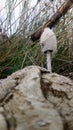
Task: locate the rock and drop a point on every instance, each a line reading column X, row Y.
column 34, row 99
column 3, row 125
column 58, row 90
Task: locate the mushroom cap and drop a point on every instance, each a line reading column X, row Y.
column 48, row 41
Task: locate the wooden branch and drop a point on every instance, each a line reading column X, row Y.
column 55, row 18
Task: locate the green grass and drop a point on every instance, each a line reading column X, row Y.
column 18, row 52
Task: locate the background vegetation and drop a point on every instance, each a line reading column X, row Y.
column 16, row 48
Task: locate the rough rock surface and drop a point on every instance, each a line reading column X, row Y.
column 34, row 99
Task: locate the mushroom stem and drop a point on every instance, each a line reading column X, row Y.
column 48, row 53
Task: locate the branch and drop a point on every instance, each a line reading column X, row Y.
column 55, row 18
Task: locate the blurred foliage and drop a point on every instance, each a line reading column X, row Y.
column 17, row 54
column 18, row 51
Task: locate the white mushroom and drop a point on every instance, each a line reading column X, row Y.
column 48, row 45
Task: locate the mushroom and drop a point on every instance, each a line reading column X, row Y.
column 48, row 45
